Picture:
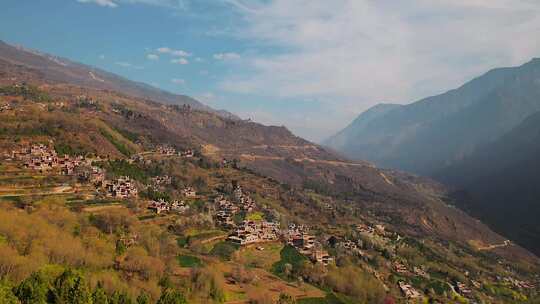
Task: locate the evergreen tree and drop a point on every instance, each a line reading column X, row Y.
column 120, row 248
column 120, row 298
column 33, row 290
column 99, row 296
column 6, row 293
column 70, row 288
column 143, row 298
column 166, row 283
column 169, row 296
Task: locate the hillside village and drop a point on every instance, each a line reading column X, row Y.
column 245, row 232
column 197, row 217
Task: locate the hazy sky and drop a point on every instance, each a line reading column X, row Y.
column 311, row 65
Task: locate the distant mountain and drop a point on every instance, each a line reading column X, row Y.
column 53, row 69
column 430, row 134
column 499, row 183
column 482, row 139
column 340, row 141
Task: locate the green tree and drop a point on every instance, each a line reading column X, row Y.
column 71, row 288
column 143, row 298
column 166, row 283
column 99, row 296
column 120, row 248
column 120, row 298
column 169, row 296
column 6, row 293
column 33, row 290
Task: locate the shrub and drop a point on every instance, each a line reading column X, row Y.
column 291, row 261
column 123, row 168
column 33, row 290
column 208, row 282
column 171, row 297
column 6, row 293
column 224, row 250
column 355, row 283
column 189, row 261
column 121, row 147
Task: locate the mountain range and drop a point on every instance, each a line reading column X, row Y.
column 387, row 233
column 56, row 69
column 481, row 139
column 413, row 203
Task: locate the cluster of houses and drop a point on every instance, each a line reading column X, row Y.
column 408, row 291
column 122, row 188
column 84, row 101
column 368, row 229
column 161, row 206
column 42, row 158
column 163, row 180
column 250, row 232
column 166, row 150
column 244, row 201
column 225, row 211
column 298, row 237
column 139, row 158
column 187, row 153
column 463, row 289
column 400, row 268
column 5, row 107
column 189, row 192
column 95, row 175
column 170, row 151
column 351, row 247
column 518, row 283
column 420, row 272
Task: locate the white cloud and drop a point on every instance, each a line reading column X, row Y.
column 355, row 53
column 173, row 52
column 227, row 56
column 173, row 4
column 180, row 61
column 152, row 57
column 102, row 57
column 178, row 81
column 164, row 50
column 107, row 3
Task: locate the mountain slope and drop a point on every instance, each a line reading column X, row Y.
column 437, row 131
column 59, row 70
column 109, row 119
column 499, row 183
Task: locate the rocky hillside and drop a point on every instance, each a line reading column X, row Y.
column 53, row 69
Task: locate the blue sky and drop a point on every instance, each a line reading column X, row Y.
column 311, row 65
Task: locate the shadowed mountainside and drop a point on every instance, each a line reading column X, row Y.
column 499, row 183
